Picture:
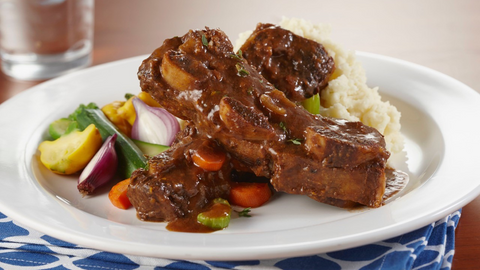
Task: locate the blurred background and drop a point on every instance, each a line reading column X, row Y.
column 439, row 34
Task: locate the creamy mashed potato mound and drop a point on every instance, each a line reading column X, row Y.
column 347, row 95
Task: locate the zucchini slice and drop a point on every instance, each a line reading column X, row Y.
column 130, row 157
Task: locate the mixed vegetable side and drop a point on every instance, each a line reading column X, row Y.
column 104, row 144
column 96, row 140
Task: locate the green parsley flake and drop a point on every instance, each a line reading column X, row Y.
column 241, row 70
column 296, row 141
column 128, row 96
column 204, row 41
column 237, row 56
column 244, row 213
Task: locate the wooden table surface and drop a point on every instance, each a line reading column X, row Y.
column 442, row 35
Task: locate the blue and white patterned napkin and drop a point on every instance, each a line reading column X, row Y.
column 430, row 247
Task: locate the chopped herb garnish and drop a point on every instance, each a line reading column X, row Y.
column 282, row 126
column 296, row 141
column 128, row 96
column 244, row 213
column 241, row 70
column 250, row 90
column 204, row 41
column 237, row 56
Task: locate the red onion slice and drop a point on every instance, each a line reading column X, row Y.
column 100, row 169
column 153, row 124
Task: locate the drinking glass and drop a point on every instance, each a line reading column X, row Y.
column 42, row 39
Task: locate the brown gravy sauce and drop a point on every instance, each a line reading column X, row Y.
column 396, row 181
column 191, row 224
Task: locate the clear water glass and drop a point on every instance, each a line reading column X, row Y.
column 42, row 39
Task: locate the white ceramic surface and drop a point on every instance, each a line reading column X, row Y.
column 439, row 122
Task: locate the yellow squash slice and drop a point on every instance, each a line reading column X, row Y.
column 72, row 152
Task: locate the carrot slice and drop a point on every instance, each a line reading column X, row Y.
column 209, row 157
column 118, row 195
column 249, row 194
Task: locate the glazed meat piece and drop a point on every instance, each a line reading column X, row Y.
column 173, row 187
column 198, row 77
column 296, row 173
column 297, row 66
column 330, row 160
column 190, row 79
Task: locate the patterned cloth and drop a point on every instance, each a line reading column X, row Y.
column 430, row 247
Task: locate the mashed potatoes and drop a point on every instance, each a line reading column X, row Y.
column 347, row 94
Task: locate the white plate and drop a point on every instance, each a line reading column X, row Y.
column 439, row 122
